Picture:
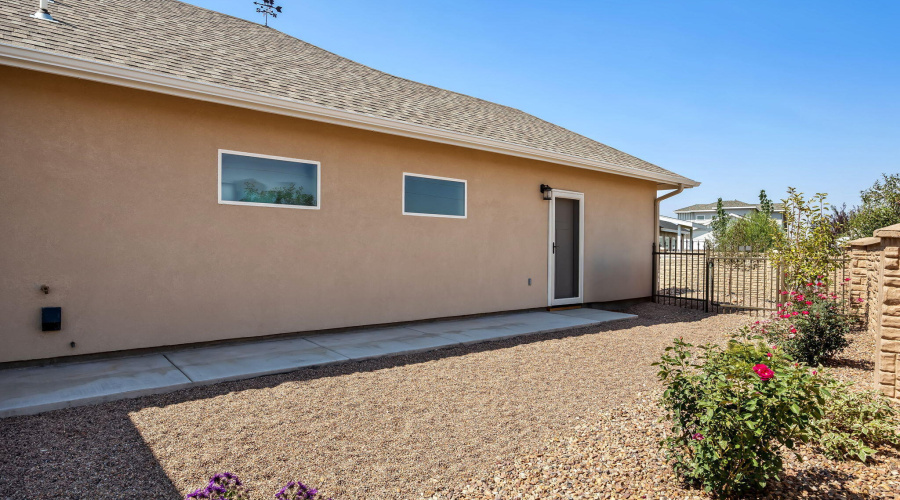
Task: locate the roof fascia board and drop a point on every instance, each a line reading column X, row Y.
column 155, row 82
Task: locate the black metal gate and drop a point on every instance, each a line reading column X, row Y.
column 723, row 282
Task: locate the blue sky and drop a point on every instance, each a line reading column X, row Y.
column 741, row 95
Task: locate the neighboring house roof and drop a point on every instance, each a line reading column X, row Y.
column 726, row 204
column 129, row 41
column 675, row 222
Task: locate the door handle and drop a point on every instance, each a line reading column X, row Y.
column 554, row 247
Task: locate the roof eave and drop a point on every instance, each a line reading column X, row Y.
column 156, row 82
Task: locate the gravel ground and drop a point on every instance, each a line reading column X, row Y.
column 523, row 410
column 615, row 455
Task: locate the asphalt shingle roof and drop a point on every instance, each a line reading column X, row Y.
column 185, row 41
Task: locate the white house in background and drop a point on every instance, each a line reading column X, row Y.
column 704, row 212
column 675, row 234
column 700, row 216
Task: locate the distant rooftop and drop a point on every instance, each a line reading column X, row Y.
column 726, row 204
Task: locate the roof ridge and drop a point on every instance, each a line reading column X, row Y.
column 190, row 42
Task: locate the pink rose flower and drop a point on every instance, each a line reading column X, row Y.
column 769, row 354
column 697, row 436
column 764, row 372
column 805, row 313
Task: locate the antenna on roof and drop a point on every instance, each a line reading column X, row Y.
column 42, row 12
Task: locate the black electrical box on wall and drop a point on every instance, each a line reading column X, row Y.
column 51, row 319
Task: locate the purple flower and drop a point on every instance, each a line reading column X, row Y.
column 221, row 487
column 697, row 436
column 295, row 490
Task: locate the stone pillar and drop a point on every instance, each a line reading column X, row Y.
column 887, row 338
column 875, row 278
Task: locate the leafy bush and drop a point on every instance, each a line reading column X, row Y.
column 880, row 207
column 856, row 422
column 811, row 325
column 807, row 246
column 227, row 486
column 757, row 231
column 732, row 411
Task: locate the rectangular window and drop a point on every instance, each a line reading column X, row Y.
column 701, row 217
column 434, row 196
column 267, row 181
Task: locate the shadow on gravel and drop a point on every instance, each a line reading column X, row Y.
column 95, row 452
column 830, row 484
column 856, row 364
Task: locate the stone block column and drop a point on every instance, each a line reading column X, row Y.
column 884, row 309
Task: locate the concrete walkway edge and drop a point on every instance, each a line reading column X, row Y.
column 31, row 390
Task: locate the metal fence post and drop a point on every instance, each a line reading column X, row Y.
column 707, row 278
column 654, row 279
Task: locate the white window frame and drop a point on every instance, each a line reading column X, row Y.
column 417, row 214
column 272, row 205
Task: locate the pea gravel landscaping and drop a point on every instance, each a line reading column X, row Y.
column 564, row 415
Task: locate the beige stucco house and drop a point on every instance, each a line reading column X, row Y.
column 171, row 175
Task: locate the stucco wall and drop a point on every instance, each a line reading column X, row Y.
column 109, row 196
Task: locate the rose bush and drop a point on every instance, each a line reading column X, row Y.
column 811, row 325
column 733, row 409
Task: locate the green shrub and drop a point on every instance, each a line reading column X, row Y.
column 807, row 246
column 732, row 411
column 857, row 422
column 810, row 326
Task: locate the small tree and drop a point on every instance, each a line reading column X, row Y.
column 756, row 231
column 840, row 220
column 268, row 8
column 880, row 207
column 719, row 224
column 807, row 248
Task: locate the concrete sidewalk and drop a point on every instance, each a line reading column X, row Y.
column 26, row 391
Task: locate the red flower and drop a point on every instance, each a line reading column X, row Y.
column 769, row 354
column 805, row 312
column 764, row 372
column 846, row 279
column 809, row 302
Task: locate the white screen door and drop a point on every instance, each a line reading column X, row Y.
column 566, row 248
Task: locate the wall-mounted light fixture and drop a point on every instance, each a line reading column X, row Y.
column 547, row 191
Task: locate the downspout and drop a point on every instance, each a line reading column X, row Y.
column 656, row 234
column 656, row 210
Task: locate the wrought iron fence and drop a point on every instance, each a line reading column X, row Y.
column 725, row 282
